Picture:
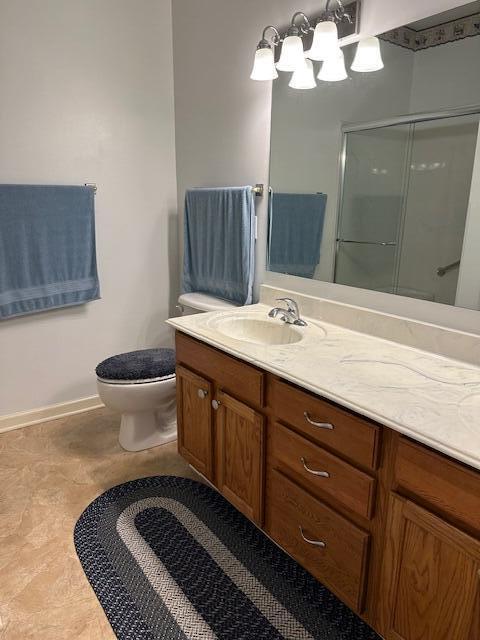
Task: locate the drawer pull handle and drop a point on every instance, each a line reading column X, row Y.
column 216, row 405
column 321, row 474
column 314, row 543
column 202, row 394
column 320, row 425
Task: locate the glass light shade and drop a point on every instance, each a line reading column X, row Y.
column 325, row 41
column 333, row 69
column 303, row 76
column 264, row 65
column 292, row 54
column 368, row 56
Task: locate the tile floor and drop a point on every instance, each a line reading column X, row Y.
column 48, row 474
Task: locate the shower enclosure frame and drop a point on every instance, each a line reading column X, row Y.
column 408, row 119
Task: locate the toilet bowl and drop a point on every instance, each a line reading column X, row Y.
column 140, row 385
column 148, row 411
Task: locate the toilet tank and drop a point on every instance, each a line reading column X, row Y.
column 190, row 303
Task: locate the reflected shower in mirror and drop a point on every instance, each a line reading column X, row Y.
column 375, row 180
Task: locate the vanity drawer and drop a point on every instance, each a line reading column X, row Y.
column 339, row 430
column 447, row 486
column 241, row 380
column 321, row 472
column 293, row 515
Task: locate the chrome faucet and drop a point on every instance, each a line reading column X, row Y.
column 290, row 315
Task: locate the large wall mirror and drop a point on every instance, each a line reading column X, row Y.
column 375, row 179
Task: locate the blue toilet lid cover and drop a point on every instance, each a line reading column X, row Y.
column 138, row 365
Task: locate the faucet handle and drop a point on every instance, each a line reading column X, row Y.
column 292, row 306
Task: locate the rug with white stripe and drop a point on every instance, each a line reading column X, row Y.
column 170, row 559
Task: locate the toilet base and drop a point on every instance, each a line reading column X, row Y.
column 142, row 430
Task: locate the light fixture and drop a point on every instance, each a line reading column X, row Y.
column 303, row 77
column 292, row 51
column 325, row 41
column 330, row 25
column 264, row 63
column 333, row 69
column 368, row 56
column 292, row 55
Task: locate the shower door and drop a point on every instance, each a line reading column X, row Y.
column 403, row 208
column 440, row 176
column 372, row 207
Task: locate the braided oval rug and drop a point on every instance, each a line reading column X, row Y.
column 171, row 559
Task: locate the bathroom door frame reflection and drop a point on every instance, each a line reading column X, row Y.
column 409, row 119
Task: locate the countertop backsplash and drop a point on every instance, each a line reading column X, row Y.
column 442, row 341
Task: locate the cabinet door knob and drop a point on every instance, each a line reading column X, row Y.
column 320, row 425
column 314, row 543
column 216, row 404
column 202, row 394
column 321, row 474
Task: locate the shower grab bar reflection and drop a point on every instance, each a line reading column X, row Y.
column 441, row 271
column 381, row 244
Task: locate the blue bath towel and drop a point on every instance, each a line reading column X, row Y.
column 296, row 229
column 219, row 250
column 47, row 248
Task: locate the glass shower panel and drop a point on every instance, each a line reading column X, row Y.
column 367, row 266
column 441, row 165
column 373, row 200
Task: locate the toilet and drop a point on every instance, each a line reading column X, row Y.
column 140, row 385
column 190, row 303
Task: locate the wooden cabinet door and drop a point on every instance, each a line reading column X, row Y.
column 240, row 455
column 431, row 577
column 194, row 420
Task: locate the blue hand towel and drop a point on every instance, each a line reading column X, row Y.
column 47, row 248
column 219, row 250
column 296, row 229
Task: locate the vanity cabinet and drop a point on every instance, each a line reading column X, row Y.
column 431, row 577
column 439, row 483
column 194, row 420
column 352, row 437
column 243, row 381
column 333, row 549
column 240, row 438
column 320, row 472
column 218, row 434
column 388, row 525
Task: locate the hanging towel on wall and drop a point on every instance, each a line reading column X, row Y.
column 296, row 229
column 219, row 248
column 47, row 248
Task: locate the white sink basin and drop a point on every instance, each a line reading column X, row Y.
column 259, row 329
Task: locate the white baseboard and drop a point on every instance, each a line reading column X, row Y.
column 44, row 414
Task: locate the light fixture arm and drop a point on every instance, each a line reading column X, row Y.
column 305, row 26
column 339, row 13
column 275, row 39
column 340, row 5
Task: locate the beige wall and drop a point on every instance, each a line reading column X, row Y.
column 87, row 96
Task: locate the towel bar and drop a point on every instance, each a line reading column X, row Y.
column 258, row 190
column 92, row 185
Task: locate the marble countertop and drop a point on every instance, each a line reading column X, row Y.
column 430, row 398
